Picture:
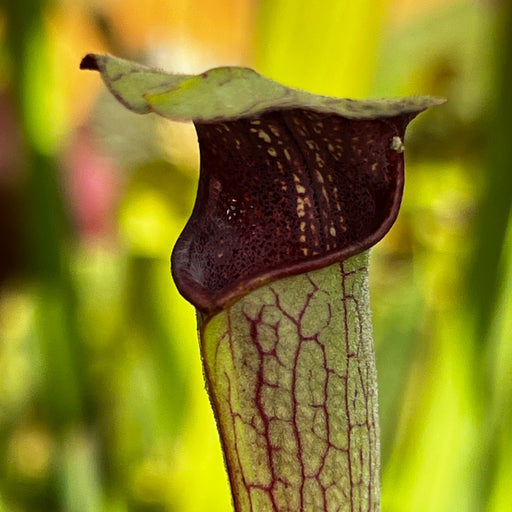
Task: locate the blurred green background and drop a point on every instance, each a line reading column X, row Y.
column 102, row 403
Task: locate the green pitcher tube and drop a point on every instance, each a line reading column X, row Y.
column 291, row 375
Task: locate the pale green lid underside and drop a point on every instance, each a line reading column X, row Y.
column 231, row 92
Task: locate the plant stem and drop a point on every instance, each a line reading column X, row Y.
column 291, row 375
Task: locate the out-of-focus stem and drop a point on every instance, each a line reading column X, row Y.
column 291, row 375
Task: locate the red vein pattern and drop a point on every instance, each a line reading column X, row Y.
column 291, row 376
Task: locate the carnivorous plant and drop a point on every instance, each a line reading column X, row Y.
column 294, row 189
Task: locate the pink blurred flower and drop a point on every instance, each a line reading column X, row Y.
column 92, row 186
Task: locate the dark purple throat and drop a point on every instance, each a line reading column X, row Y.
column 284, row 193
